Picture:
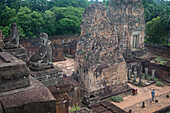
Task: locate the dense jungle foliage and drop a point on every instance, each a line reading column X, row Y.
column 59, row 17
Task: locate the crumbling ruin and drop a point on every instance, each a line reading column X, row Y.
column 128, row 18
column 43, row 58
column 13, row 73
column 19, row 92
column 11, row 44
column 100, row 65
column 41, row 65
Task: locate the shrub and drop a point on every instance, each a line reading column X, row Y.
column 117, row 98
column 159, row 83
column 74, row 108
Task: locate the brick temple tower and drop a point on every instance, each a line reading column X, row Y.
column 128, row 18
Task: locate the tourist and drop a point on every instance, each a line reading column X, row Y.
column 153, row 94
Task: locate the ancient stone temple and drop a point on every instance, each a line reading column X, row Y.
column 11, row 44
column 128, row 18
column 100, row 65
column 41, row 65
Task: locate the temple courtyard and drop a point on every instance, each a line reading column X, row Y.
column 67, row 66
column 133, row 102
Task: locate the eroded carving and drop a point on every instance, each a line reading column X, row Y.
column 13, row 40
column 43, row 58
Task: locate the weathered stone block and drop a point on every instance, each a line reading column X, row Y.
column 35, row 98
column 49, row 77
column 19, row 53
column 13, row 72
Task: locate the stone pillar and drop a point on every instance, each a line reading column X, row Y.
column 153, row 74
column 141, row 68
column 140, row 79
column 135, row 75
column 129, row 74
column 131, row 67
column 30, row 54
column 146, row 73
column 135, row 68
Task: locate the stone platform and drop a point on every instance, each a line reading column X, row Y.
column 13, row 73
column 19, row 53
column 35, row 98
column 105, row 93
column 49, row 77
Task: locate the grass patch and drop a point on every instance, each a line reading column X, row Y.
column 165, row 43
column 74, row 108
column 159, row 83
column 149, row 76
column 117, row 98
column 160, row 59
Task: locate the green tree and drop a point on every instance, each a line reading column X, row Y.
column 165, row 17
column 5, row 30
column 68, row 19
column 23, row 19
column 147, row 15
column 155, row 31
column 49, row 25
column 6, row 15
column 36, row 22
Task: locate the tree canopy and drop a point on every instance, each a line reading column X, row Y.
column 59, row 17
column 55, row 17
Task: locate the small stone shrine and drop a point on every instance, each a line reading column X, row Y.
column 11, row 44
column 41, row 65
column 100, row 66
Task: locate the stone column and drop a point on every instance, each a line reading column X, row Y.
column 141, row 68
column 146, row 73
column 129, row 75
column 153, row 74
column 140, row 79
column 135, row 68
column 131, row 67
column 135, row 75
column 30, row 54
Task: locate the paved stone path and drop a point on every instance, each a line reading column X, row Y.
column 67, row 66
column 150, row 107
column 144, row 94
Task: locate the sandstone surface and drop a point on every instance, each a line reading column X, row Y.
column 99, row 62
column 128, row 18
